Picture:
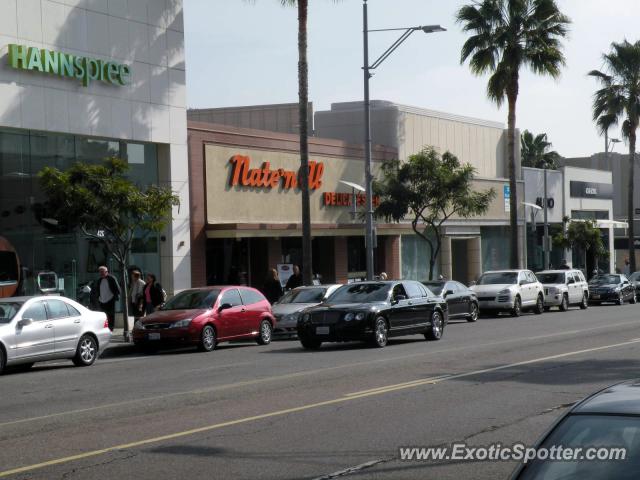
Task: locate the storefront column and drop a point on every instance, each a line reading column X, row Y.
column 392, row 256
column 612, row 251
column 446, row 267
column 475, row 259
column 341, row 260
column 274, row 252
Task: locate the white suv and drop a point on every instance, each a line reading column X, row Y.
column 563, row 288
column 509, row 290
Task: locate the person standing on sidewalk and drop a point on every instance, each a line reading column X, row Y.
column 105, row 292
column 136, row 295
column 154, row 295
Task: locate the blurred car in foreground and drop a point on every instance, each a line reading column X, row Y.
column 563, row 288
column 614, row 288
column 634, row 278
column 288, row 308
column 509, row 291
column 204, row 317
column 373, row 312
column 461, row 300
column 607, row 419
column 35, row 329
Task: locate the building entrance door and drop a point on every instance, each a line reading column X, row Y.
column 460, row 260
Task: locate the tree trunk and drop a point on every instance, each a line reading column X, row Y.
column 303, row 99
column 124, row 300
column 630, row 206
column 513, row 194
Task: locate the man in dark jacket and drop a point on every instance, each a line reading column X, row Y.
column 105, row 292
column 295, row 280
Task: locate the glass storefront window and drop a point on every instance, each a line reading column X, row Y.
column 496, row 250
column 43, row 247
column 415, row 259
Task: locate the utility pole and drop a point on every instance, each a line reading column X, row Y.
column 546, row 223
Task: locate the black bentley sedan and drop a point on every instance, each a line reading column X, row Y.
column 462, row 301
column 611, row 288
column 373, row 312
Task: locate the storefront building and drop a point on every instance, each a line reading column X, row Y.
column 81, row 81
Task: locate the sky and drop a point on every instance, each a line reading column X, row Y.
column 244, row 52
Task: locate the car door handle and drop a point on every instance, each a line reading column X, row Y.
column 50, row 325
column 77, row 320
column 243, row 310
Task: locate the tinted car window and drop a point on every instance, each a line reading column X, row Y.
column 551, row 277
column 435, row 287
column 35, row 312
column 192, row 300
column 232, row 297
column 413, row 290
column 605, row 279
column 497, row 278
column 451, row 286
column 249, row 297
column 531, row 278
column 399, row 290
column 8, row 310
column 304, row 295
column 361, row 293
column 57, row 309
column 427, row 292
column 73, row 312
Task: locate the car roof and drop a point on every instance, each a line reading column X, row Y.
column 620, row 399
column 32, row 297
column 507, row 271
column 327, row 285
column 558, row 271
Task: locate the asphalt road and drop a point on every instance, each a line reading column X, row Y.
column 278, row 412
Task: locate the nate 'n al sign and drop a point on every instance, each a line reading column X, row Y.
column 85, row 69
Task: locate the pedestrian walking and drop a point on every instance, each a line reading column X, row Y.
column 383, row 276
column 154, row 295
column 105, row 292
column 272, row 288
column 136, row 295
column 295, row 280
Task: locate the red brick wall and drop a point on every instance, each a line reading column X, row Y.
column 392, row 256
column 198, row 212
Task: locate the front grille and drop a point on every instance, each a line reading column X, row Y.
column 156, row 326
column 325, row 318
column 486, row 299
column 504, row 298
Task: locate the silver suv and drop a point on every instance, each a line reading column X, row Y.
column 509, row 290
column 563, row 288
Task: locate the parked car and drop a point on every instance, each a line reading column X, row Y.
column 204, row 317
column 609, row 418
column 288, row 308
column 461, row 300
column 373, row 312
column 634, row 278
column 615, row 288
column 563, row 288
column 509, row 290
column 35, row 329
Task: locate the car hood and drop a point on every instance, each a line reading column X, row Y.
column 609, row 286
column 169, row 316
column 559, row 286
column 491, row 289
column 327, row 307
column 287, row 308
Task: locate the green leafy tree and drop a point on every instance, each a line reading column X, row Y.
column 582, row 235
column 104, row 204
column 618, row 100
column 507, row 36
column 429, row 189
column 534, row 151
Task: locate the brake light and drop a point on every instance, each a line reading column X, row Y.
column 106, row 323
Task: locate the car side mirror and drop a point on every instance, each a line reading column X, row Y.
column 25, row 322
column 448, row 292
column 570, row 281
column 224, row 306
column 522, row 282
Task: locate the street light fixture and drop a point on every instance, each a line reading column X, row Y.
column 407, row 31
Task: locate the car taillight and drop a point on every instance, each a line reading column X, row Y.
column 106, row 323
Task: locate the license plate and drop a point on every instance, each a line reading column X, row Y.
column 595, row 296
column 154, row 336
column 322, row 330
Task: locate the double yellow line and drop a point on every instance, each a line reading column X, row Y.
column 346, row 398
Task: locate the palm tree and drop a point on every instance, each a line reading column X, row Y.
column 535, row 151
column 507, row 35
column 619, row 99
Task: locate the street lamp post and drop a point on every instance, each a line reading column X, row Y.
column 369, row 235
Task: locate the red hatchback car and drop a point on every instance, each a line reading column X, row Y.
column 206, row 316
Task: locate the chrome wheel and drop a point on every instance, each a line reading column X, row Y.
column 380, row 333
column 564, row 306
column 264, row 338
column 516, row 310
column 86, row 352
column 585, row 301
column 473, row 316
column 208, row 339
column 437, row 327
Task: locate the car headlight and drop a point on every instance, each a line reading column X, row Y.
column 360, row 316
column 138, row 325
column 181, row 323
column 349, row 316
column 292, row 317
column 306, row 317
column 506, row 291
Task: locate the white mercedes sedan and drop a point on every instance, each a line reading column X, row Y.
column 36, row 329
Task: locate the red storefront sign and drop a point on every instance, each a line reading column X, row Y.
column 265, row 177
column 335, row 199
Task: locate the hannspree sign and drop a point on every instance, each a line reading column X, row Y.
column 84, row 69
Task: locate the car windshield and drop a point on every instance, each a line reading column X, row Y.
column 498, row 278
column 583, row 431
column 192, row 300
column 8, row 310
column 304, row 295
column 550, row 277
column 635, row 277
column 435, row 287
column 605, row 279
column 361, row 293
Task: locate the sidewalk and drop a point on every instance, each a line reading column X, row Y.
column 118, row 346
